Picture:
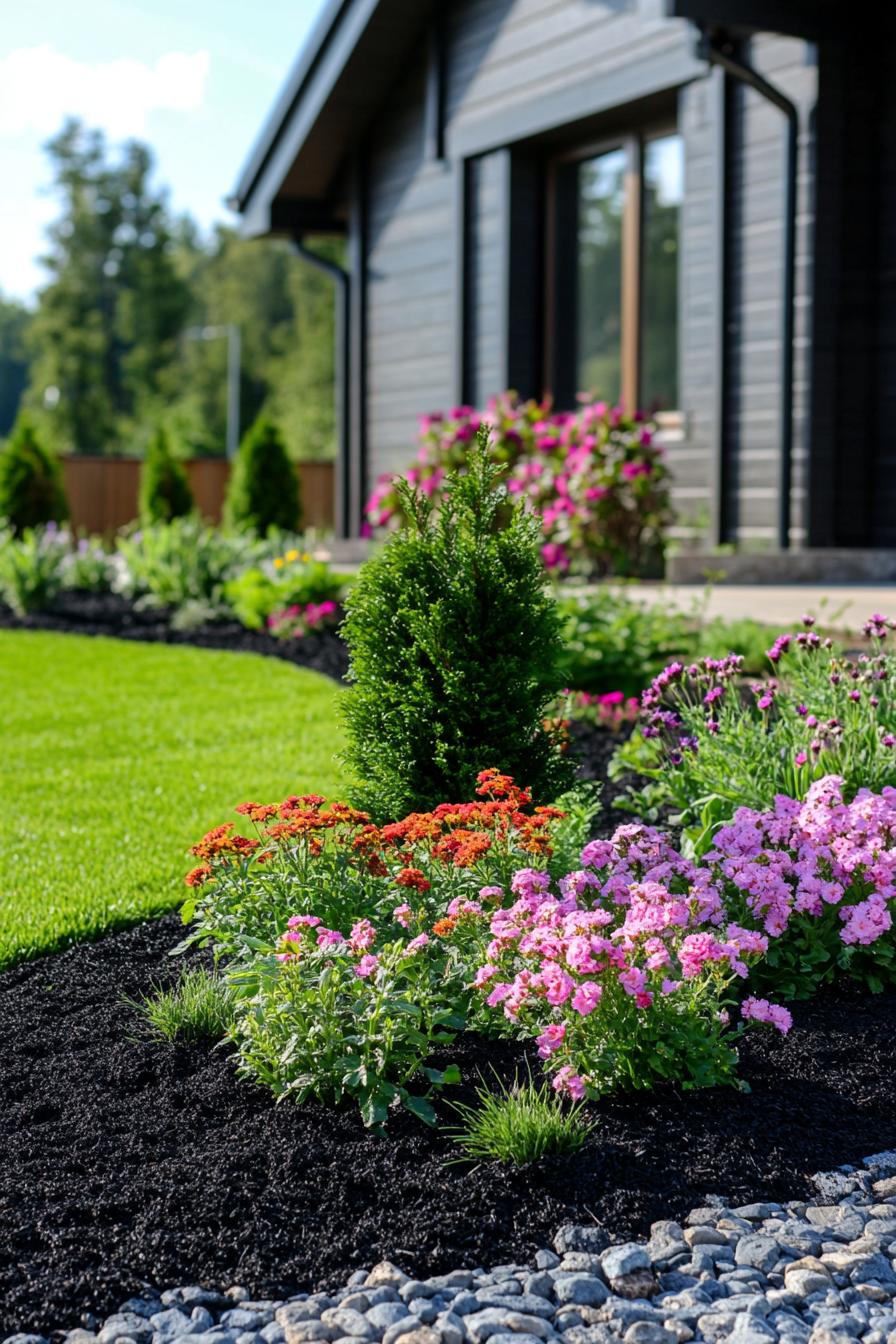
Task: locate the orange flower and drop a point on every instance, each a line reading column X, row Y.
column 443, row 927
column 221, row 841
column 376, row 867
column 259, row 812
column 414, row 878
column 197, row 877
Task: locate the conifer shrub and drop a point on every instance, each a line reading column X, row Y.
column 264, row 488
column 164, row 489
column 31, row 489
column 454, row 644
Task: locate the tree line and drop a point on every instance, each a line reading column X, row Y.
column 113, row 349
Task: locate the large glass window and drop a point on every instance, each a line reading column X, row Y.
column 601, row 208
column 662, row 196
column 615, row 269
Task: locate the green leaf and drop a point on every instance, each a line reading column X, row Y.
column 422, row 1108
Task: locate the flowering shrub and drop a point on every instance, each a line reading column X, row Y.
column 308, row 856
column 612, row 710
column 32, row 567
column 819, row 878
column 595, row 477
column 709, row 746
column 328, row 1017
column 625, row 978
column 295, row 621
column 288, row 578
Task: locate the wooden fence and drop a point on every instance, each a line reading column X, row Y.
column 102, row 491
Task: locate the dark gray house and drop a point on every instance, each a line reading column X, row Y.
column 690, row 204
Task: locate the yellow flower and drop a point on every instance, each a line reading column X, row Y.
column 278, row 563
column 305, row 557
column 292, row 556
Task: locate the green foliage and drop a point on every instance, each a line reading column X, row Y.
column 313, row 1026
column 263, row 492
column 613, row 643
column 32, row 568
column 520, row 1124
column 454, row 646
column 298, row 579
column 31, row 490
column 14, row 319
column 164, row 488
column 198, row 1008
column 106, row 328
column 181, row 562
column 117, row 754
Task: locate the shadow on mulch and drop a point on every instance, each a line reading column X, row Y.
column 128, row 1161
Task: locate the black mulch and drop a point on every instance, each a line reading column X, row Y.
column 126, row 1161
column 82, row 613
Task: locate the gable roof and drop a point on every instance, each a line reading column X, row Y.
column 342, row 75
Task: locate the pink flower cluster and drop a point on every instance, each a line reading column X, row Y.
column 611, row 709
column 805, row 859
column 595, row 476
column 306, row 934
column 295, row 621
column 636, row 937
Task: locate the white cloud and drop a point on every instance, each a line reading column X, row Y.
column 40, row 86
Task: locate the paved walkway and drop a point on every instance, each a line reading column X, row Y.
column 842, row 606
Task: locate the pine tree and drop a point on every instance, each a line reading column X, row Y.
column 164, row 489
column 264, row 488
column 31, row 489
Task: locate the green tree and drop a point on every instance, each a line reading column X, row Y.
column 454, row 644
column 164, row 489
column 31, row 489
column 106, row 327
column 264, row 488
column 14, row 319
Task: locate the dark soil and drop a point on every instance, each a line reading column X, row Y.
column 83, row 613
column 124, row 1160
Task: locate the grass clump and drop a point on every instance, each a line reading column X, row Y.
column 198, row 1008
column 520, row 1124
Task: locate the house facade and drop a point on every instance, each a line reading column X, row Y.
column 687, row 205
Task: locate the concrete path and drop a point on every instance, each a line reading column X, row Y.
column 842, row 606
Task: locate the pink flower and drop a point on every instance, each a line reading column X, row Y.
column 367, row 965
column 760, row 1010
column 568, row 1082
column 402, row 915
column 416, row 944
column 586, row 998
column 550, row 1040
column 302, row 921
column 329, row 938
column 363, row 935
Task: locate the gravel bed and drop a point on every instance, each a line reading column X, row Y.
column 821, row 1271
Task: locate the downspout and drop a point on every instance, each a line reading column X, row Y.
column 342, row 279
column 717, row 51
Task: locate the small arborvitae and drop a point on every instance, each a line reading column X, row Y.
column 264, row 488
column 31, row 489
column 164, row 488
column 454, row 642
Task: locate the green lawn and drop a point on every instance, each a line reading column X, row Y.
column 114, row 757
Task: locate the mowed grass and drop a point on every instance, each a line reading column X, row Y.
column 115, row 757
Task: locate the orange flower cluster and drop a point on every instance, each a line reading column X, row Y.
column 221, row 841
column 459, row 834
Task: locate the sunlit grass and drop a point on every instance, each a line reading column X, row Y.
column 115, row 757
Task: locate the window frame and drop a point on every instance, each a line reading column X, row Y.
column 559, row 343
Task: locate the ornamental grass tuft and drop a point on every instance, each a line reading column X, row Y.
column 454, row 643
column 520, row 1124
column 198, row 1008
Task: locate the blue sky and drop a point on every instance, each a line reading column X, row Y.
column 195, row 80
